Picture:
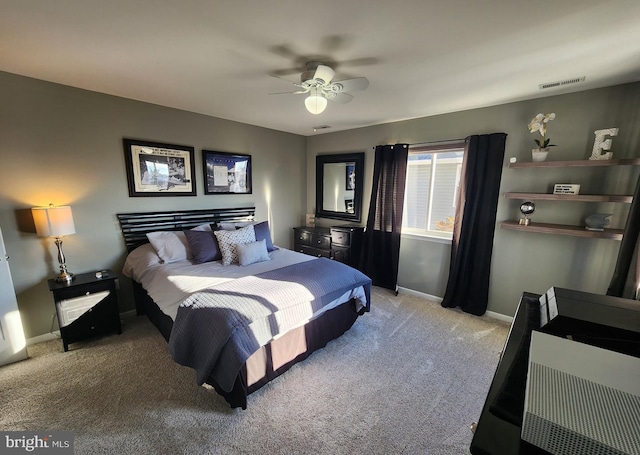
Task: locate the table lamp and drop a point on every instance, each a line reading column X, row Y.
column 55, row 222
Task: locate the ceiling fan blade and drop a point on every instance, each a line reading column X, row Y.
column 359, row 61
column 352, row 85
column 324, row 73
column 285, row 72
column 341, row 98
column 290, row 93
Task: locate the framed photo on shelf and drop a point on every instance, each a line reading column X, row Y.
column 155, row 169
column 226, row 173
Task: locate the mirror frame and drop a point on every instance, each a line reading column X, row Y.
column 321, row 160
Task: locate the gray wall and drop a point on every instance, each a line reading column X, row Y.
column 64, row 146
column 521, row 261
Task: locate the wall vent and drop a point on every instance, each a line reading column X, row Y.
column 575, row 80
column 321, row 127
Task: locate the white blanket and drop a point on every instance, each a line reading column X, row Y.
column 170, row 284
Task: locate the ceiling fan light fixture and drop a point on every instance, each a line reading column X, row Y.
column 315, row 103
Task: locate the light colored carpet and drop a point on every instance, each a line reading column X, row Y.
column 408, row 378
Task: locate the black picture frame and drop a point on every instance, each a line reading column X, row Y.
column 226, row 173
column 157, row 169
column 350, row 177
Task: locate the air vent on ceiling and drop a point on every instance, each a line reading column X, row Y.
column 575, row 80
column 321, row 127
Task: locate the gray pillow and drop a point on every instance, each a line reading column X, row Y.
column 250, row 253
column 204, row 246
column 263, row 233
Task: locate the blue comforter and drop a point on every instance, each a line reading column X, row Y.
column 217, row 330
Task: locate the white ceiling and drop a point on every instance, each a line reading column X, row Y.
column 422, row 57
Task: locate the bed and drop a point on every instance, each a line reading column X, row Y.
column 240, row 312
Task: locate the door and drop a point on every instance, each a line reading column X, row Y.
column 13, row 346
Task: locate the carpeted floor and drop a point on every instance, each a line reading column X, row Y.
column 408, row 378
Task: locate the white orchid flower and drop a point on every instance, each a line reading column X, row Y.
column 539, row 124
column 533, row 127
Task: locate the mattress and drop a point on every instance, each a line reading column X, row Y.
column 170, row 284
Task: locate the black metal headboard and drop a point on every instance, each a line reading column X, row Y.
column 135, row 226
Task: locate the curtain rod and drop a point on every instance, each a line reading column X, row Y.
column 435, row 143
column 447, row 142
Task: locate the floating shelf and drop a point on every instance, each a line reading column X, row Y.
column 571, row 197
column 563, row 229
column 578, row 163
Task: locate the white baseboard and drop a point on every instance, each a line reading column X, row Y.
column 500, row 316
column 44, row 337
column 435, row 298
column 56, row 334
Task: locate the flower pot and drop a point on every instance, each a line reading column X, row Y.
column 597, row 221
column 539, row 154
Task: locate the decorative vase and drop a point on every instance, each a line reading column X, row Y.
column 539, row 154
column 597, row 221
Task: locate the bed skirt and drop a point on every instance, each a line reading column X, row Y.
column 271, row 360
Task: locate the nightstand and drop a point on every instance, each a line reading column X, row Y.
column 86, row 307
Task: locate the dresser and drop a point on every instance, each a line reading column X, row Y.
column 342, row 243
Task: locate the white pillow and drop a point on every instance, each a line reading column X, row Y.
column 172, row 246
column 227, row 240
column 231, row 226
column 140, row 260
column 250, row 253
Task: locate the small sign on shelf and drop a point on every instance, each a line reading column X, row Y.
column 566, row 188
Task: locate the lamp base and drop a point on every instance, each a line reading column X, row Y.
column 65, row 277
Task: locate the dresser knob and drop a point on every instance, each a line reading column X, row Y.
column 87, row 293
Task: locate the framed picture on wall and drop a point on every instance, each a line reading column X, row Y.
column 155, row 169
column 226, row 173
column 350, row 176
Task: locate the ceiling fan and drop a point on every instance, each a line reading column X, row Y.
column 317, row 79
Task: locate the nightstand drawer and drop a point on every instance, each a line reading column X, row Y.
column 99, row 319
column 71, row 309
column 83, row 290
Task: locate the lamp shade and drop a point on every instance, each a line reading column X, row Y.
column 53, row 221
column 315, row 103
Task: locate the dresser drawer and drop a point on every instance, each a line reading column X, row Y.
column 341, row 237
column 314, row 252
column 303, row 237
column 321, row 241
column 341, row 254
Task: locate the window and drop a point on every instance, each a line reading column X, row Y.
column 433, row 179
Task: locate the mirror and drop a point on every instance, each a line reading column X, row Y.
column 339, row 180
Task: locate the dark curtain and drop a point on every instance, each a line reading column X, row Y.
column 627, row 249
column 381, row 244
column 475, row 223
